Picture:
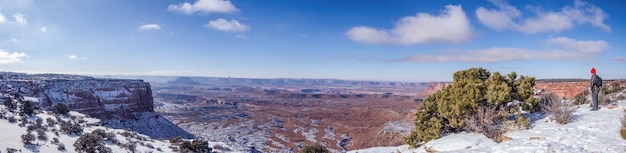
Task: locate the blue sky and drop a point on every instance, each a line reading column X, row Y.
column 353, row 39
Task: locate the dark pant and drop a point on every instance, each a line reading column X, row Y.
column 594, row 98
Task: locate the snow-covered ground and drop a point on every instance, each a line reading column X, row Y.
column 588, row 131
column 11, row 133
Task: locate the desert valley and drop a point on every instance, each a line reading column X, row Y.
column 269, row 115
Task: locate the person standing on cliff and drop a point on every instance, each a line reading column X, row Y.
column 596, row 83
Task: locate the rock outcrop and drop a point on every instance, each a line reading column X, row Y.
column 120, row 103
column 100, row 98
column 433, row 87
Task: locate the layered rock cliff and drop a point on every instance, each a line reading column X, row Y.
column 120, row 103
column 100, row 98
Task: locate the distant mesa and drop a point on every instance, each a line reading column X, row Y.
column 183, row 80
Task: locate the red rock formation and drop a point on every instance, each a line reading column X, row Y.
column 433, row 87
column 569, row 89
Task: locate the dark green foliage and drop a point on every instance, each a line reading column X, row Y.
column 317, row 148
column 473, row 89
column 61, row 147
column 28, row 108
column 39, row 123
column 27, row 138
column 41, row 135
column 91, row 143
column 199, row 146
column 106, row 136
column 71, row 128
column 51, row 122
column 8, row 102
column 60, row 108
column 185, row 146
column 131, row 146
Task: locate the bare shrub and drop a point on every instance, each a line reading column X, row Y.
column 61, row 147
column 620, row 97
column 27, row 138
column 149, row 145
column 11, row 150
column 559, row 110
column 12, row 119
column 317, row 148
column 487, row 121
column 41, row 135
column 51, row 122
column 603, row 98
column 55, row 141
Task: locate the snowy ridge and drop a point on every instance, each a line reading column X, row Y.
column 152, row 124
column 121, row 103
column 10, row 137
column 588, row 131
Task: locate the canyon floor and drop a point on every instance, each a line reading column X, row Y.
column 284, row 119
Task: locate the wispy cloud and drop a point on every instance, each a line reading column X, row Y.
column 561, row 48
column 8, row 58
column 44, row 29
column 149, row 27
column 204, row 6
column 507, row 17
column 228, row 26
column 619, row 58
column 451, row 25
column 20, row 19
column 74, row 57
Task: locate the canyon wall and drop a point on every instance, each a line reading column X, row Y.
column 101, row 98
column 563, row 89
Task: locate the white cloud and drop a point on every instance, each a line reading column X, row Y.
column 73, row 57
column 451, row 25
column 13, row 40
column 149, row 27
column 2, row 18
column 562, row 48
column 44, row 29
column 204, row 6
column 20, row 18
column 619, row 58
column 228, row 26
column 580, row 47
column 8, row 58
column 507, row 17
